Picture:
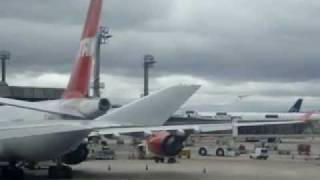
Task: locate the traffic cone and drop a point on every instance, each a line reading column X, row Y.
column 204, row 171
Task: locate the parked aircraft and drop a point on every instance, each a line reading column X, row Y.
column 293, row 114
column 264, row 116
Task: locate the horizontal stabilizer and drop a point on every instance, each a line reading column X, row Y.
column 38, row 106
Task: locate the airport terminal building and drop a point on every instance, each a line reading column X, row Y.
column 268, row 129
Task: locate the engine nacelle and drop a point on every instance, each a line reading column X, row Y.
column 92, row 108
column 165, row 144
column 77, row 156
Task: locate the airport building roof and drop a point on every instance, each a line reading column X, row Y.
column 30, row 93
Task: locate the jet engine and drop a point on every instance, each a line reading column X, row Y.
column 164, row 143
column 92, row 108
column 77, row 156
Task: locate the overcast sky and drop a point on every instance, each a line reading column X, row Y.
column 268, row 49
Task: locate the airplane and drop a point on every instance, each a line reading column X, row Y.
column 191, row 113
column 293, row 114
column 243, row 117
column 55, row 130
column 243, row 96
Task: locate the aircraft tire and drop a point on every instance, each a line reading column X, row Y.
column 172, row 160
column 57, row 172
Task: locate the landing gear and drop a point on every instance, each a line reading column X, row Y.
column 57, row 172
column 159, row 159
column 12, row 172
column 172, row 160
column 60, row 171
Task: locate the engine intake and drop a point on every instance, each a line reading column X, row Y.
column 172, row 145
column 165, row 144
column 93, row 108
column 77, row 156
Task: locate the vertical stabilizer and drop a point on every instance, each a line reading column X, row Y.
column 80, row 76
column 296, row 106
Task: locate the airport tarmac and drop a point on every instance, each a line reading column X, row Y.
column 237, row 168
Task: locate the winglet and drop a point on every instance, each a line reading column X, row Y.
column 80, row 76
column 151, row 110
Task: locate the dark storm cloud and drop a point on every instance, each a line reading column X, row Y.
column 227, row 40
column 47, row 32
column 121, row 14
column 43, row 11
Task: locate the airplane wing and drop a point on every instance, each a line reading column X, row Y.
column 39, row 106
column 152, row 110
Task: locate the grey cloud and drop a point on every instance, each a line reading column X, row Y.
column 121, row 14
column 228, row 40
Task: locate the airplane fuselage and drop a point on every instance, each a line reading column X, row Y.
column 262, row 116
column 39, row 146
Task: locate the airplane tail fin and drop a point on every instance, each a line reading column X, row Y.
column 152, row 110
column 296, row 106
column 80, row 77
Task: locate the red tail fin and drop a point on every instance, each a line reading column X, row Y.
column 80, row 77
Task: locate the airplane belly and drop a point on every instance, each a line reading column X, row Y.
column 40, row 147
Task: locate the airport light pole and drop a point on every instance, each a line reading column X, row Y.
column 147, row 63
column 102, row 38
column 4, row 56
